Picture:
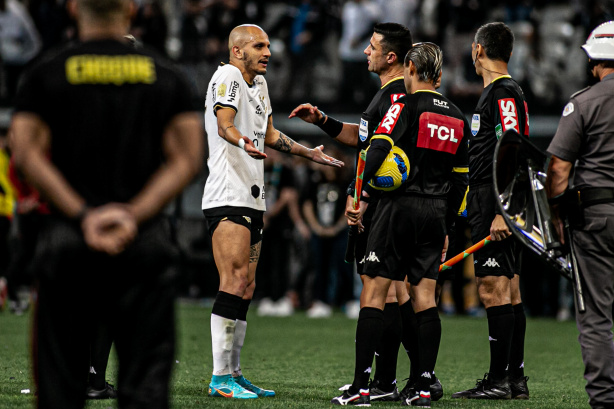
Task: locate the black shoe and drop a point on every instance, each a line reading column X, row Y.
column 487, row 388
column 108, row 392
column 355, row 399
column 377, row 393
column 409, row 389
column 436, row 390
column 420, row 399
column 519, row 387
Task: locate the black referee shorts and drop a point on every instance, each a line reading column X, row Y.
column 499, row 258
column 250, row 218
column 406, row 239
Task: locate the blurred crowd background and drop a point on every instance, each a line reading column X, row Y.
column 317, row 56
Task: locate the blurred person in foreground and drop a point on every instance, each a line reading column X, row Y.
column 583, row 146
column 239, row 124
column 123, row 143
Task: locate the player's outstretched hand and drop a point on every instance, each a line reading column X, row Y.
column 109, row 228
column 307, row 113
column 251, row 149
column 320, row 157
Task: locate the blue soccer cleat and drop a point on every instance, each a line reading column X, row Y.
column 224, row 386
column 263, row 393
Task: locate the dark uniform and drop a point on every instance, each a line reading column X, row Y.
column 410, row 222
column 107, row 106
column 585, row 137
column 383, row 99
column 502, row 106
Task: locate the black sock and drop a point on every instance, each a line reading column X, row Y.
column 387, row 351
column 368, row 333
column 516, row 368
column 226, row 305
column 242, row 313
column 409, row 337
column 100, row 348
column 500, row 331
column 429, row 335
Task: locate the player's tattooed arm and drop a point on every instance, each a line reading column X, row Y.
column 254, row 252
column 284, row 143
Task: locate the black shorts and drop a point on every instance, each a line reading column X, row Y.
column 250, row 218
column 360, row 250
column 499, row 258
column 406, row 239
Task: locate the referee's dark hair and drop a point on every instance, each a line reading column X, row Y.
column 396, row 38
column 497, row 39
column 428, row 59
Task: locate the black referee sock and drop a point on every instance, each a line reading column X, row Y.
column 227, row 305
column 409, row 337
column 500, row 331
column 387, row 350
column 429, row 336
column 516, row 369
column 100, row 348
column 368, row 333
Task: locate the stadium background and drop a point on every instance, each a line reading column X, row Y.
column 309, row 63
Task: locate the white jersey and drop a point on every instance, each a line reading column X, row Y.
column 236, row 179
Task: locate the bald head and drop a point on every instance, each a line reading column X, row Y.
column 242, row 35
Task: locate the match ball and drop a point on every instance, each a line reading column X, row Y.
column 393, row 172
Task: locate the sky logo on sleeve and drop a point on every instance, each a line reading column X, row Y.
column 509, row 114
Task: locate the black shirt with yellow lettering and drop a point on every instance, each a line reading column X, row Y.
column 76, row 89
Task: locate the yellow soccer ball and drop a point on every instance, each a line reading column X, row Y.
column 393, row 172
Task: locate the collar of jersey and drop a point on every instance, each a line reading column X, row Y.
column 394, row 79
column 223, row 63
column 498, row 78
column 427, row 90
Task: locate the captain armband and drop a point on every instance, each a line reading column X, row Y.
column 331, row 126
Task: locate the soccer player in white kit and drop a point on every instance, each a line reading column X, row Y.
column 239, row 124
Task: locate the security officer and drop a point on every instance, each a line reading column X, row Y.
column 585, row 138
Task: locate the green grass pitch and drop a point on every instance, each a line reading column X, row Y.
column 306, row 360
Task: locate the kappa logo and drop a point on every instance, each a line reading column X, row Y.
column 426, row 374
column 368, row 370
column 490, row 339
column 509, row 114
column 372, row 257
column 248, row 219
column 364, row 258
column 441, row 104
column 390, row 119
column 221, row 91
column 491, row 262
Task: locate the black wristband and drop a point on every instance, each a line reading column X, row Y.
column 332, row 127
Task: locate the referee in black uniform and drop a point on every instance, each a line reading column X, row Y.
column 409, row 224
column 387, row 48
column 108, row 134
column 585, row 138
column 501, row 107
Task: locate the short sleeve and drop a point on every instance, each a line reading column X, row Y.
column 506, row 112
column 227, row 89
column 569, row 135
column 394, row 123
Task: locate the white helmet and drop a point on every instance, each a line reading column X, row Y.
column 600, row 44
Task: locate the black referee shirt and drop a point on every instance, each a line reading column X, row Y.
column 502, row 106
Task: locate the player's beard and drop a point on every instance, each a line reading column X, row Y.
column 252, row 64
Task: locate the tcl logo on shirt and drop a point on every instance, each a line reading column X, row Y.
column 439, row 132
column 509, row 114
column 390, row 119
column 394, row 97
